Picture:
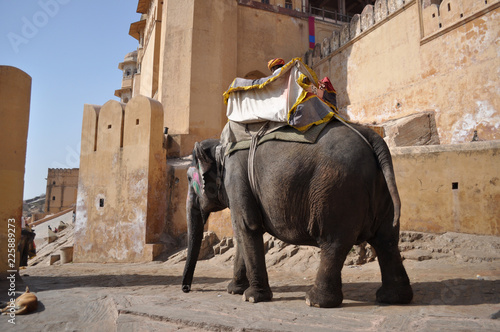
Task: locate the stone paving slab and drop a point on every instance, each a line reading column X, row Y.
column 449, row 296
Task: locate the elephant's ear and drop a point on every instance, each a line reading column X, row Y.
column 204, row 161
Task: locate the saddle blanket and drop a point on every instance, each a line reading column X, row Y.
column 288, row 96
column 237, row 136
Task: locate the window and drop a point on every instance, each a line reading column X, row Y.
column 288, row 4
column 101, row 202
column 265, row 1
column 53, row 198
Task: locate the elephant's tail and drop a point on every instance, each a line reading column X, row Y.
column 384, row 158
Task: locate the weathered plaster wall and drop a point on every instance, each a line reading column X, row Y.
column 121, row 192
column 15, row 97
column 388, row 65
column 62, row 188
column 447, row 188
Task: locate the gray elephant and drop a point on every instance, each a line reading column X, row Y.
column 332, row 194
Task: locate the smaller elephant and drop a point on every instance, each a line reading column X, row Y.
column 333, row 194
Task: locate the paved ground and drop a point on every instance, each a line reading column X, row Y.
column 452, row 293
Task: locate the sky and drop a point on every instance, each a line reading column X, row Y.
column 71, row 49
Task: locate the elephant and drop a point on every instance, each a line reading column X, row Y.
column 333, row 194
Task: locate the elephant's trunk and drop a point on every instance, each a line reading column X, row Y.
column 195, row 236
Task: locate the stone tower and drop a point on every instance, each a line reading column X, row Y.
column 15, row 97
column 129, row 68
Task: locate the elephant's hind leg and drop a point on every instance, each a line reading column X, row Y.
column 396, row 287
column 327, row 289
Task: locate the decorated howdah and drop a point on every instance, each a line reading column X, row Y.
column 290, row 95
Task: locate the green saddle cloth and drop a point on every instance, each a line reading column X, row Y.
column 286, row 133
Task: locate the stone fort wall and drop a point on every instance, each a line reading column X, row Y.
column 397, row 58
column 120, row 214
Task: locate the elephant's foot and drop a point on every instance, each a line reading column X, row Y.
column 255, row 295
column 395, row 294
column 323, row 299
column 237, row 286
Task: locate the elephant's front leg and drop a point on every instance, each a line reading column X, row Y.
column 327, row 289
column 240, row 281
column 252, row 246
column 247, row 226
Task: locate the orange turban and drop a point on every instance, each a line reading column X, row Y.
column 275, row 62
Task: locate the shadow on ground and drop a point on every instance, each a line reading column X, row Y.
column 43, row 283
column 446, row 292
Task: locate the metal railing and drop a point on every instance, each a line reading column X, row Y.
column 327, row 15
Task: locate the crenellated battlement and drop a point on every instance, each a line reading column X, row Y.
column 121, row 189
column 435, row 18
column 360, row 24
column 439, row 17
column 115, row 125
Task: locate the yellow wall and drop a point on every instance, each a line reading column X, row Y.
column 447, row 188
column 15, row 96
column 395, row 68
column 121, row 192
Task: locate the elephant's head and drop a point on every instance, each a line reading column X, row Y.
column 204, row 196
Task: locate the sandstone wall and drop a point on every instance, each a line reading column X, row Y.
column 15, row 97
column 120, row 215
column 396, row 59
column 449, row 188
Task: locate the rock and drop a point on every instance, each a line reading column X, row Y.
column 417, row 255
column 207, row 245
column 496, row 315
column 361, row 254
column 223, row 246
column 414, row 129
